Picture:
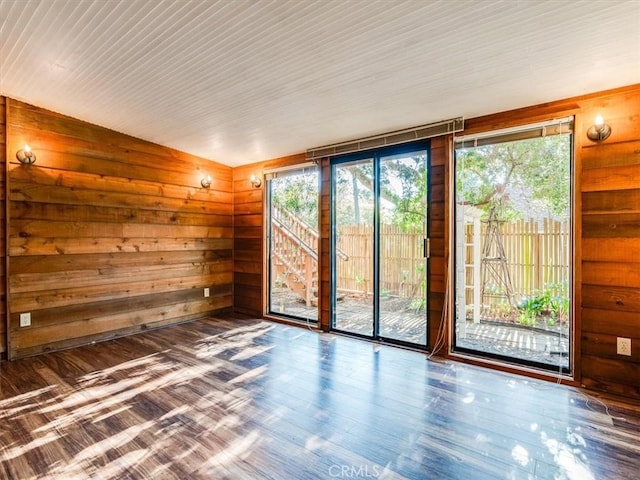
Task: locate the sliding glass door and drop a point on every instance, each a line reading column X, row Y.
column 292, row 233
column 379, row 242
column 353, row 246
column 513, row 217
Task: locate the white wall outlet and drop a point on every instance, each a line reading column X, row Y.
column 25, row 319
column 207, row 292
column 624, row 346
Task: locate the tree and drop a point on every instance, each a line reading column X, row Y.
column 527, row 177
column 298, row 194
column 403, row 190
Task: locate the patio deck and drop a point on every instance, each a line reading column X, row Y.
column 400, row 321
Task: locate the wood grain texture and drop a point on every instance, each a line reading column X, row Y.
column 249, row 247
column 607, row 231
column 3, row 232
column 249, row 243
column 324, row 296
column 610, row 188
column 440, row 157
column 110, row 235
column 94, row 193
column 233, row 398
column 607, row 228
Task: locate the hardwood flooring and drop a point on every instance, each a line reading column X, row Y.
column 250, row 399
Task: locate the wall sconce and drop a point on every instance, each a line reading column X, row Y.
column 206, row 181
column 599, row 131
column 255, row 181
column 25, row 155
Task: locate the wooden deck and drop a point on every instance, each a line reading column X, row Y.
column 400, row 321
column 250, row 399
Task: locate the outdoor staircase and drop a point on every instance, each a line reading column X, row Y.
column 294, row 252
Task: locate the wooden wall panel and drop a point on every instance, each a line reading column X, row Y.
column 324, row 295
column 249, row 262
column 248, row 245
column 610, row 195
column 109, row 235
column 606, row 241
column 3, row 235
column 607, row 231
column 440, row 158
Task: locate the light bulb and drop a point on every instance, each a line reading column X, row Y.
column 599, row 121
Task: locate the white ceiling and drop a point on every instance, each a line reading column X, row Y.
column 239, row 81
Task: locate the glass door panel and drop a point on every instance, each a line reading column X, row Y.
column 292, row 199
column 379, row 233
column 513, row 269
column 353, row 258
column 402, row 296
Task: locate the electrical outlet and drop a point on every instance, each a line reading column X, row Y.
column 207, row 292
column 25, row 319
column 624, row 346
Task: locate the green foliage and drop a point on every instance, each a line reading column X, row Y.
column 419, row 303
column 532, row 305
column 403, row 192
column 298, row 194
column 527, row 318
column 404, row 186
column 546, row 303
column 557, row 295
column 353, row 193
column 536, row 171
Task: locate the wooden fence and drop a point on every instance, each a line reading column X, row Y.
column 402, row 268
column 537, row 256
column 537, row 253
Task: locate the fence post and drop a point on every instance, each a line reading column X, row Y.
column 308, row 281
column 477, row 260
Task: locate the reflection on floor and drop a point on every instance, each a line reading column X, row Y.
column 249, row 399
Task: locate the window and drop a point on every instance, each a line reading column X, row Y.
column 513, row 237
column 292, row 232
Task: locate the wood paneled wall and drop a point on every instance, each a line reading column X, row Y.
column 607, row 233
column 3, row 234
column 249, row 265
column 324, row 295
column 440, row 157
column 108, row 234
column 610, row 198
column 248, row 244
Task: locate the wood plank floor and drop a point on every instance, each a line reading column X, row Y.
column 250, row 399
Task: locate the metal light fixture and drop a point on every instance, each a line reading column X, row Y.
column 206, row 181
column 599, row 131
column 255, row 181
column 25, row 155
